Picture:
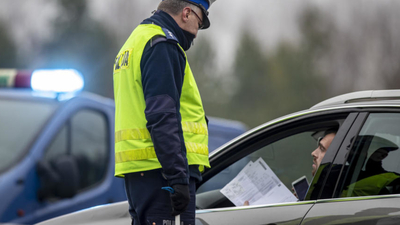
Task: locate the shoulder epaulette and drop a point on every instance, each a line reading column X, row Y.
column 169, row 35
column 157, row 39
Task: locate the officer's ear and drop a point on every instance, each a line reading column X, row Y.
column 185, row 14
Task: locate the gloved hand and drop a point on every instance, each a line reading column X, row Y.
column 180, row 199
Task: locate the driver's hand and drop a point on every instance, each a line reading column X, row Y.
column 294, row 193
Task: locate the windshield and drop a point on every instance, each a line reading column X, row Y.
column 20, row 122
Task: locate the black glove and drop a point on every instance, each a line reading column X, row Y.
column 180, row 199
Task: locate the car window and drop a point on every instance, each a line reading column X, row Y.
column 90, row 145
column 373, row 164
column 85, row 137
column 275, row 155
column 288, row 156
column 20, row 122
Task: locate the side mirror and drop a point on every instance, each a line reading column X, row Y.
column 58, row 178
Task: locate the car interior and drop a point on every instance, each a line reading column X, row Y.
column 286, row 150
column 373, row 162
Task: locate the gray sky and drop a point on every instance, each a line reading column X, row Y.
column 270, row 20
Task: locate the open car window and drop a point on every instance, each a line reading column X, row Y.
column 286, row 150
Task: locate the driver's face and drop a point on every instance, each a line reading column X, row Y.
column 319, row 153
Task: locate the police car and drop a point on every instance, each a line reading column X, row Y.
column 357, row 181
column 57, row 145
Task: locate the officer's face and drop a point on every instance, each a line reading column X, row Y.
column 199, row 18
column 194, row 20
column 319, row 153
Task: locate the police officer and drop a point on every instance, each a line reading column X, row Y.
column 161, row 134
column 374, row 180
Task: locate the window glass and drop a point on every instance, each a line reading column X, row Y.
column 89, row 144
column 373, row 165
column 59, row 145
column 20, row 122
column 84, row 136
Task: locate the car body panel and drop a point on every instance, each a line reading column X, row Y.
column 116, row 214
column 360, row 210
column 291, row 213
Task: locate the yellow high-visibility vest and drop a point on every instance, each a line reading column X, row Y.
column 134, row 149
column 370, row 185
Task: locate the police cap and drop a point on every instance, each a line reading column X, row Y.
column 204, row 5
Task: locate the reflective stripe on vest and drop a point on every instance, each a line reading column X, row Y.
column 148, row 153
column 143, row 133
column 132, row 134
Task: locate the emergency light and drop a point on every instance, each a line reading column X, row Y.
column 43, row 80
column 68, row 80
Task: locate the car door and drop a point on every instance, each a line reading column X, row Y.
column 368, row 168
column 285, row 145
column 81, row 130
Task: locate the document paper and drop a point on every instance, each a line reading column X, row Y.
column 258, row 184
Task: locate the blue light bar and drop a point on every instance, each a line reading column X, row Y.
column 60, row 80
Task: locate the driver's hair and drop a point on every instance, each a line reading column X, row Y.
column 332, row 130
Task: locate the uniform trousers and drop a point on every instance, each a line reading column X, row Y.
column 150, row 205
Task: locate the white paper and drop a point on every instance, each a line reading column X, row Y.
column 258, row 184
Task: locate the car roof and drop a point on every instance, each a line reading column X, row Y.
column 30, row 95
column 369, row 97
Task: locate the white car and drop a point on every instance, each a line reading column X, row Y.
column 358, row 181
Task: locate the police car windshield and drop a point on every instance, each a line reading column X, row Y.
column 20, row 122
